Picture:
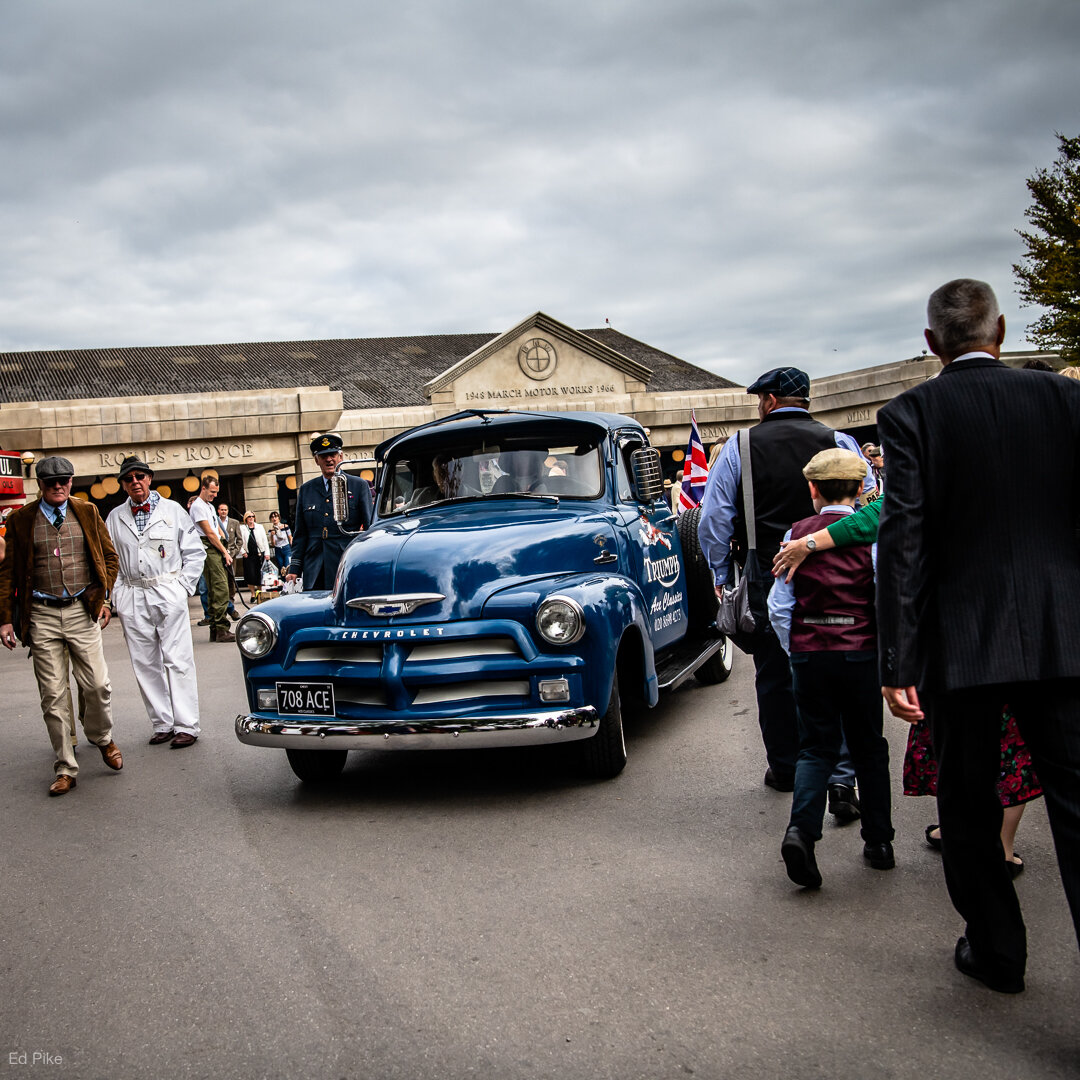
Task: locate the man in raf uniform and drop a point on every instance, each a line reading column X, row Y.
column 318, row 540
column 59, row 568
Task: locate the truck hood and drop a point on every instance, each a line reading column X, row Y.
column 464, row 555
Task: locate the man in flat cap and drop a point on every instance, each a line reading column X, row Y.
column 318, row 540
column 824, row 619
column 54, row 582
column 780, row 445
column 161, row 560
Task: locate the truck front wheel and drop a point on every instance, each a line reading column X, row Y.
column 317, row 766
column 604, row 754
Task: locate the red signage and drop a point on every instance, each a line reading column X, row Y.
column 11, row 479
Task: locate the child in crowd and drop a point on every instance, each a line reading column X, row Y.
column 824, row 618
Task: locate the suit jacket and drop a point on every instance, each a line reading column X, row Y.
column 234, row 539
column 17, row 569
column 318, row 541
column 978, row 561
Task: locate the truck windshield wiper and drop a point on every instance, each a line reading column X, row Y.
column 408, row 511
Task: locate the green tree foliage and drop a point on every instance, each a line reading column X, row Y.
column 1049, row 274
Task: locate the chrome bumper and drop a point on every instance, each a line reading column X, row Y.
column 558, row 725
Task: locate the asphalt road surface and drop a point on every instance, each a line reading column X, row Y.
column 484, row 914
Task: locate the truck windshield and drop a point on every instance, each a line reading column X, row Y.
column 526, row 466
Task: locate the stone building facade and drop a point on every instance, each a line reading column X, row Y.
column 248, row 411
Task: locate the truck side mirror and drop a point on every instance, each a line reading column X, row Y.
column 648, row 475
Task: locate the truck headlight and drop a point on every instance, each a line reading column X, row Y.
column 256, row 634
column 560, row 620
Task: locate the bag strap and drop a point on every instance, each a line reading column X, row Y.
column 747, row 490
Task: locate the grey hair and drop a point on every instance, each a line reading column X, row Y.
column 963, row 314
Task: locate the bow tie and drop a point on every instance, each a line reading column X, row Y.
column 143, row 509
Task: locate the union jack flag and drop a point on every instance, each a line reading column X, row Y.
column 695, row 470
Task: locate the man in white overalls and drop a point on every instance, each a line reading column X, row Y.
column 161, row 561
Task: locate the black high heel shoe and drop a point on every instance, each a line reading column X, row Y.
column 933, row 841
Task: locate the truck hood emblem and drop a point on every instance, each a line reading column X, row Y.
column 388, row 606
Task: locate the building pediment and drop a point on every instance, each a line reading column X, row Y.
column 541, row 360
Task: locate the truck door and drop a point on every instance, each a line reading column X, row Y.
column 654, row 554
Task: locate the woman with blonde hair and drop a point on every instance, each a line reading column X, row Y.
column 256, row 547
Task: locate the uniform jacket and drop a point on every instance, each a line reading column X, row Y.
column 318, row 542
column 978, row 562
column 170, row 546
column 17, row 569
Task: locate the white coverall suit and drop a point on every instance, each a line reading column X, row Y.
column 159, row 570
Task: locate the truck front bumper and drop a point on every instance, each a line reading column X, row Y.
column 533, row 729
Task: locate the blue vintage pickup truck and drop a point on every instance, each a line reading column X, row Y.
column 523, row 581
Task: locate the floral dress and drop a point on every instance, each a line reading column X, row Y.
column 1017, row 782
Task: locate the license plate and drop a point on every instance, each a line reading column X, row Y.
column 305, row 699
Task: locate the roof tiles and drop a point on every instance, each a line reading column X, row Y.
column 358, row 367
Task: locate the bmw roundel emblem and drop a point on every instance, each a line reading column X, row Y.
column 537, row 359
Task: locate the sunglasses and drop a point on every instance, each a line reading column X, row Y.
column 56, row 481
column 135, row 476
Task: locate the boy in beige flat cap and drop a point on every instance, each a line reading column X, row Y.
column 825, row 621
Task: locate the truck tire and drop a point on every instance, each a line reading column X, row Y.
column 603, row 755
column 317, row 766
column 718, row 667
column 701, row 601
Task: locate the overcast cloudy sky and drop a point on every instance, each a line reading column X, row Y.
column 741, row 184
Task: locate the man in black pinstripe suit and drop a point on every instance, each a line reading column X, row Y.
column 979, row 604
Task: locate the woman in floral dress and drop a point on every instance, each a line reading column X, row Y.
column 1017, row 783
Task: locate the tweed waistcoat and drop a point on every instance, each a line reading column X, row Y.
column 834, row 595
column 70, row 569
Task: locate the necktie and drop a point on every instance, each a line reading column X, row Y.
column 144, row 508
column 58, row 521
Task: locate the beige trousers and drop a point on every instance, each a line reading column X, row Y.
column 60, row 635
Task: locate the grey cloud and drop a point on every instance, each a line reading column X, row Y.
column 730, row 182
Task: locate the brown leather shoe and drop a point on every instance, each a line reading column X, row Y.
column 110, row 754
column 161, row 736
column 62, row 784
column 222, row 635
column 182, row 739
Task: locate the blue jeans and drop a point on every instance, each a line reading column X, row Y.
column 282, row 556
column 776, row 714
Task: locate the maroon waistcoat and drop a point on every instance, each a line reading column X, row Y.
column 834, row 595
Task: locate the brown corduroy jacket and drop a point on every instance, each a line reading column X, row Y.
column 17, row 569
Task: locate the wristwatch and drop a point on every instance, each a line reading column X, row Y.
column 811, row 544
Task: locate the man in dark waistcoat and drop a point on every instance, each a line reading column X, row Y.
column 54, row 581
column 318, row 540
column 780, row 445
column 825, row 619
column 978, row 579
